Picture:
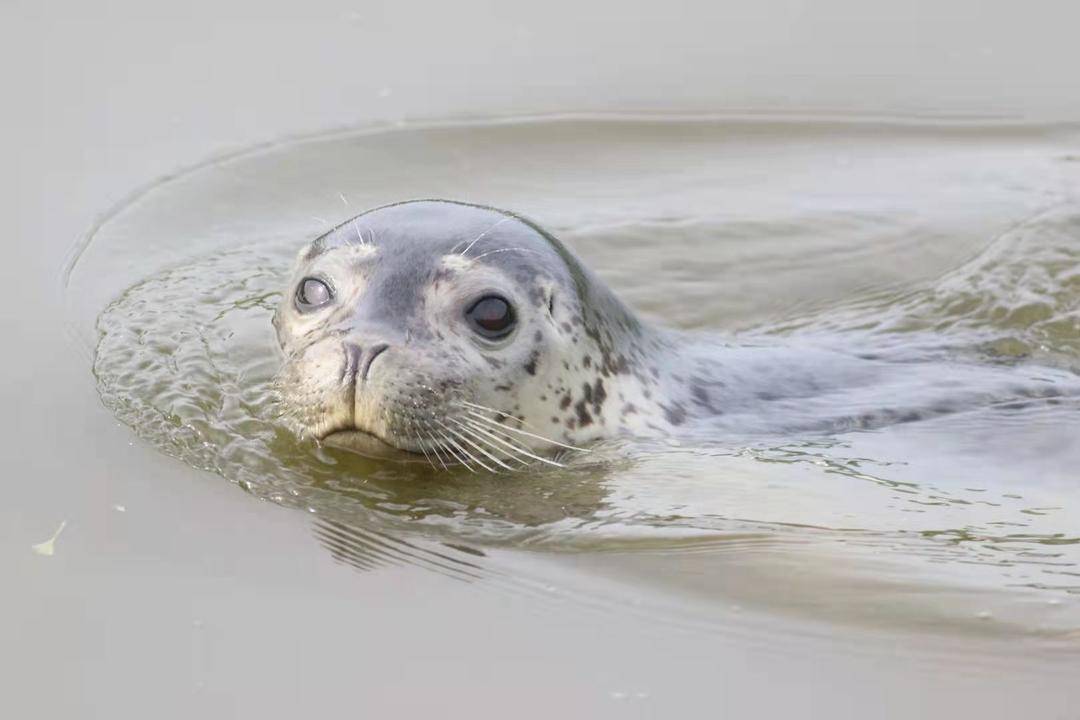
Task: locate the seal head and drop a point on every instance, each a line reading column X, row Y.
column 460, row 332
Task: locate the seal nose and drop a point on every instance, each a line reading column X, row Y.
column 358, row 360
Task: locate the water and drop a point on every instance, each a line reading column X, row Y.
column 941, row 246
column 172, row 593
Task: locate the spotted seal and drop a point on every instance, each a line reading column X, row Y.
column 471, row 336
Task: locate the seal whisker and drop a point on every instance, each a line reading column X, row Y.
column 420, row 444
column 472, row 443
column 435, row 448
column 452, row 457
column 536, row 433
column 502, row 414
column 492, row 441
column 509, row 443
column 458, row 451
column 515, row 450
column 458, row 446
column 477, row 238
column 493, row 423
column 433, row 444
column 516, row 249
column 359, row 234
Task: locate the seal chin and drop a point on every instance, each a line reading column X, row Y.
column 368, row 445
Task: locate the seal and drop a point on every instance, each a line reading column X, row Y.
column 471, row 336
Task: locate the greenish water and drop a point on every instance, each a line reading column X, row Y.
column 927, row 244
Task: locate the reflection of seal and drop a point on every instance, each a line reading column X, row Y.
column 462, row 333
column 470, row 336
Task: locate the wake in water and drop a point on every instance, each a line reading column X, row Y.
column 931, row 423
column 198, row 381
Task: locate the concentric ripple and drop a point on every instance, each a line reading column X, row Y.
column 923, row 244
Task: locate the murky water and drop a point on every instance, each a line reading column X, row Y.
column 935, row 246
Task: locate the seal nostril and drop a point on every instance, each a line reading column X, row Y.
column 373, row 353
column 352, row 362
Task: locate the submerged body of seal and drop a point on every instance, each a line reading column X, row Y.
column 472, row 336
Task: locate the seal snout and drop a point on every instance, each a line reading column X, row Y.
column 358, row 359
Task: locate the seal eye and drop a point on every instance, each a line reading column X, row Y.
column 312, row 293
column 491, row 316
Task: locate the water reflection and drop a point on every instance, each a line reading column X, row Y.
column 368, row 549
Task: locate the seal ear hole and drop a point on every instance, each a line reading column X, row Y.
column 551, row 305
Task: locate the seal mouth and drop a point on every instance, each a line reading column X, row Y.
column 368, row 445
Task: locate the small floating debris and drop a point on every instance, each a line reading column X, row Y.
column 119, row 508
column 48, row 548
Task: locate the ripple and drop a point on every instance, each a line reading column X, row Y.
column 983, row 501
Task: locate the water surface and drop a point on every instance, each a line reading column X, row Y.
column 929, row 244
